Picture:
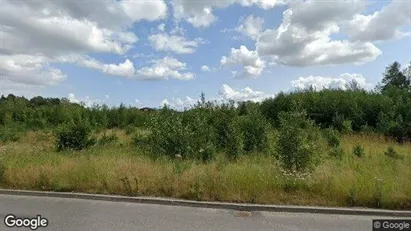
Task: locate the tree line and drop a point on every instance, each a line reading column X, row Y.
column 385, row 109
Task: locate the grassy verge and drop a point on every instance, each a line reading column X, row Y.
column 375, row 180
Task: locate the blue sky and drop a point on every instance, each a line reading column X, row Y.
column 272, row 45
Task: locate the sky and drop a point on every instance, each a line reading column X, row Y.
column 155, row 52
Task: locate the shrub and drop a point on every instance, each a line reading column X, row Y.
column 234, row 146
column 333, row 137
column 221, row 120
column 297, row 141
column 392, row 153
column 107, row 139
column 337, row 152
column 10, row 134
column 188, row 134
column 254, row 129
column 73, row 137
column 130, row 129
column 347, row 126
column 2, row 171
column 358, row 150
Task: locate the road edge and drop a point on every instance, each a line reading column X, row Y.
column 213, row 205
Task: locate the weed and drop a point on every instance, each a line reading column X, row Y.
column 392, row 153
column 358, row 150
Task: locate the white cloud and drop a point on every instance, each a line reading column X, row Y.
column 381, row 25
column 251, row 26
column 161, row 27
column 165, row 68
column 200, row 13
column 47, row 32
column 150, row 10
column 246, row 94
column 28, row 70
column 320, row 82
column 179, row 103
column 175, row 43
column 303, row 38
column 252, row 63
column 205, row 68
column 125, row 69
column 164, row 102
column 87, row 101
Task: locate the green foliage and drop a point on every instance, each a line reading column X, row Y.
column 107, row 139
column 298, row 142
column 130, row 129
column 254, row 129
column 235, row 146
column 141, row 140
column 392, row 153
column 395, row 78
column 73, row 137
column 337, row 152
column 188, row 134
column 346, row 127
column 10, row 133
column 333, row 137
column 2, row 171
column 358, row 150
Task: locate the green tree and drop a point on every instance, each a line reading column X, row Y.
column 394, row 77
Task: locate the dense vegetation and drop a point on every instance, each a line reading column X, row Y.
column 385, row 110
column 295, row 135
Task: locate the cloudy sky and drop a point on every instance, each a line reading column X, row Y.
column 150, row 52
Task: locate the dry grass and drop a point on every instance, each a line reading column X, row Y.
column 120, row 168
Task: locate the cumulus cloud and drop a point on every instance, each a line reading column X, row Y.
column 36, row 34
column 87, row 101
column 125, row 69
column 174, row 43
column 252, row 64
column 251, row 26
column 381, row 25
column 304, row 36
column 206, row 68
column 246, row 94
column 320, row 82
column 200, row 13
column 179, row 103
column 165, row 68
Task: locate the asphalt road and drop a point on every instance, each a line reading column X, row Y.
column 79, row 214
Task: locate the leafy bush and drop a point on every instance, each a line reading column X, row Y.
column 107, row 139
column 358, row 150
column 392, row 153
column 347, row 127
column 188, row 134
column 333, row 137
column 73, row 137
column 234, row 146
column 222, row 119
column 254, row 129
column 337, row 152
column 2, row 171
column 297, row 142
column 130, row 129
column 9, row 134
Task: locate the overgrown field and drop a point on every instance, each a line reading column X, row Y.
column 119, row 167
column 336, row 147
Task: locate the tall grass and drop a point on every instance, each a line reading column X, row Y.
column 376, row 180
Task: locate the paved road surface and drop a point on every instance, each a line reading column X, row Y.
column 78, row 215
